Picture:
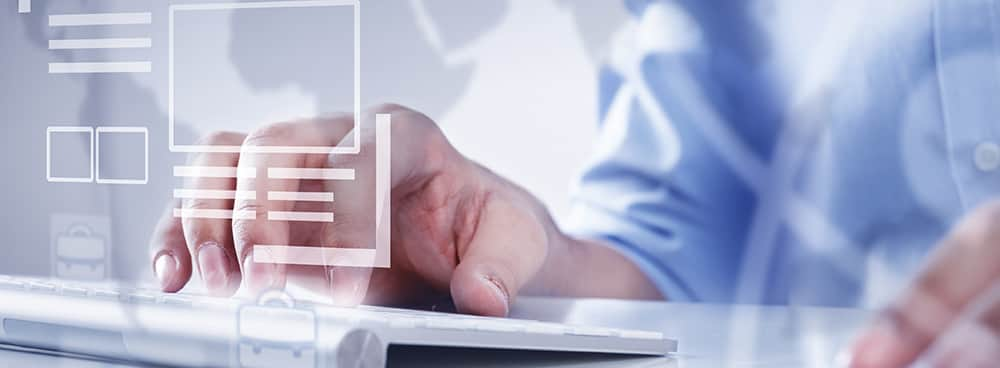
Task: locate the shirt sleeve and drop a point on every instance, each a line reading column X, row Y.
column 657, row 192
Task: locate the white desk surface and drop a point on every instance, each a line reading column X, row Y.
column 709, row 336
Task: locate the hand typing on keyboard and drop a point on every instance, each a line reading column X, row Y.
column 458, row 229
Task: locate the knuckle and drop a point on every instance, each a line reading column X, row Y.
column 980, row 230
column 410, row 116
column 200, row 204
column 195, row 226
column 991, row 213
column 340, row 119
column 247, row 206
column 986, row 219
column 277, row 132
column 389, row 108
column 220, row 138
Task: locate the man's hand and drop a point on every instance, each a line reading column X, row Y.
column 951, row 314
column 457, row 229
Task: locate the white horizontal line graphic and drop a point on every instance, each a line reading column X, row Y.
column 314, row 256
column 214, row 194
column 266, row 149
column 300, row 216
column 101, row 43
column 99, row 19
column 214, row 172
column 300, row 196
column 214, row 214
column 310, row 174
column 109, row 67
column 265, row 5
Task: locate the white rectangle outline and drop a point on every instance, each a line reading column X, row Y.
column 214, row 214
column 383, row 189
column 99, row 19
column 300, row 216
column 355, row 149
column 310, row 174
column 381, row 256
column 24, row 6
column 214, row 172
column 105, row 67
column 48, row 153
column 316, row 256
column 300, row 196
column 123, row 130
column 101, row 43
column 214, row 194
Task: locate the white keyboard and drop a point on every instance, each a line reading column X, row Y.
column 177, row 329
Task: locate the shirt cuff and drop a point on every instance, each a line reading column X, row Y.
column 628, row 239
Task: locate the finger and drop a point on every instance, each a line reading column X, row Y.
column 973, row 339
column 400, row 150
column 508, row 248
column 207, row 231
column 991, row 317
column 271, row 224
column 168, row 252
column 969, row 343
column 965, row 265
column 347, row 277
column 355, row 228
column 354, row 225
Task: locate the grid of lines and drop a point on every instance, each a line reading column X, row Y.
column 112, row 21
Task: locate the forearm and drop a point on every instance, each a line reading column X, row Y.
column 578, row 267
column 588, row 268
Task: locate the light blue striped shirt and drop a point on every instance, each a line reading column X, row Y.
column 792, row 152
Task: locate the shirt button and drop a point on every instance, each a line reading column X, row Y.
column 987, row 156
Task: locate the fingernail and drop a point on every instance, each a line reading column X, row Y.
column 259, row 276
column 348, row 285
column 212, row 263
column 164, row 267
column 878, row 347
column 499, row 292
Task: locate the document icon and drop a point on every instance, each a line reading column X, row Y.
column 319, row 55
column 80, row 250
column 276, row 333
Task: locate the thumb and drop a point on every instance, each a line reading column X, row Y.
column 507, row 250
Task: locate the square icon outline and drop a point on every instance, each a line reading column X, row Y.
column 195, row 148
column 48, row 153
column 122, row 130
column 380, row 256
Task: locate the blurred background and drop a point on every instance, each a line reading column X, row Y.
column 504, row 79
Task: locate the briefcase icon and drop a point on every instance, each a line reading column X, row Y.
column 80, row 254
column 274, row 333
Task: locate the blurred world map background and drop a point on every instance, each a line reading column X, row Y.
column 513, row 84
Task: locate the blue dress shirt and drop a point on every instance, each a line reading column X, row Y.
column 792, row 152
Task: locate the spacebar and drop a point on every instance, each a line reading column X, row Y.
column 64, row 338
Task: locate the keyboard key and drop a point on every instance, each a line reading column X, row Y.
column 406, row 322
column 73, row 290
column 179, row 300
column 41, row 286
column 544, row 328
column 373, row 318
column 448, row 324
column 107, row 294
column 641, row 335
column 496, row 326
column 140, row 297
column 11, row 284
column 210, row 302
column 590, row 331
